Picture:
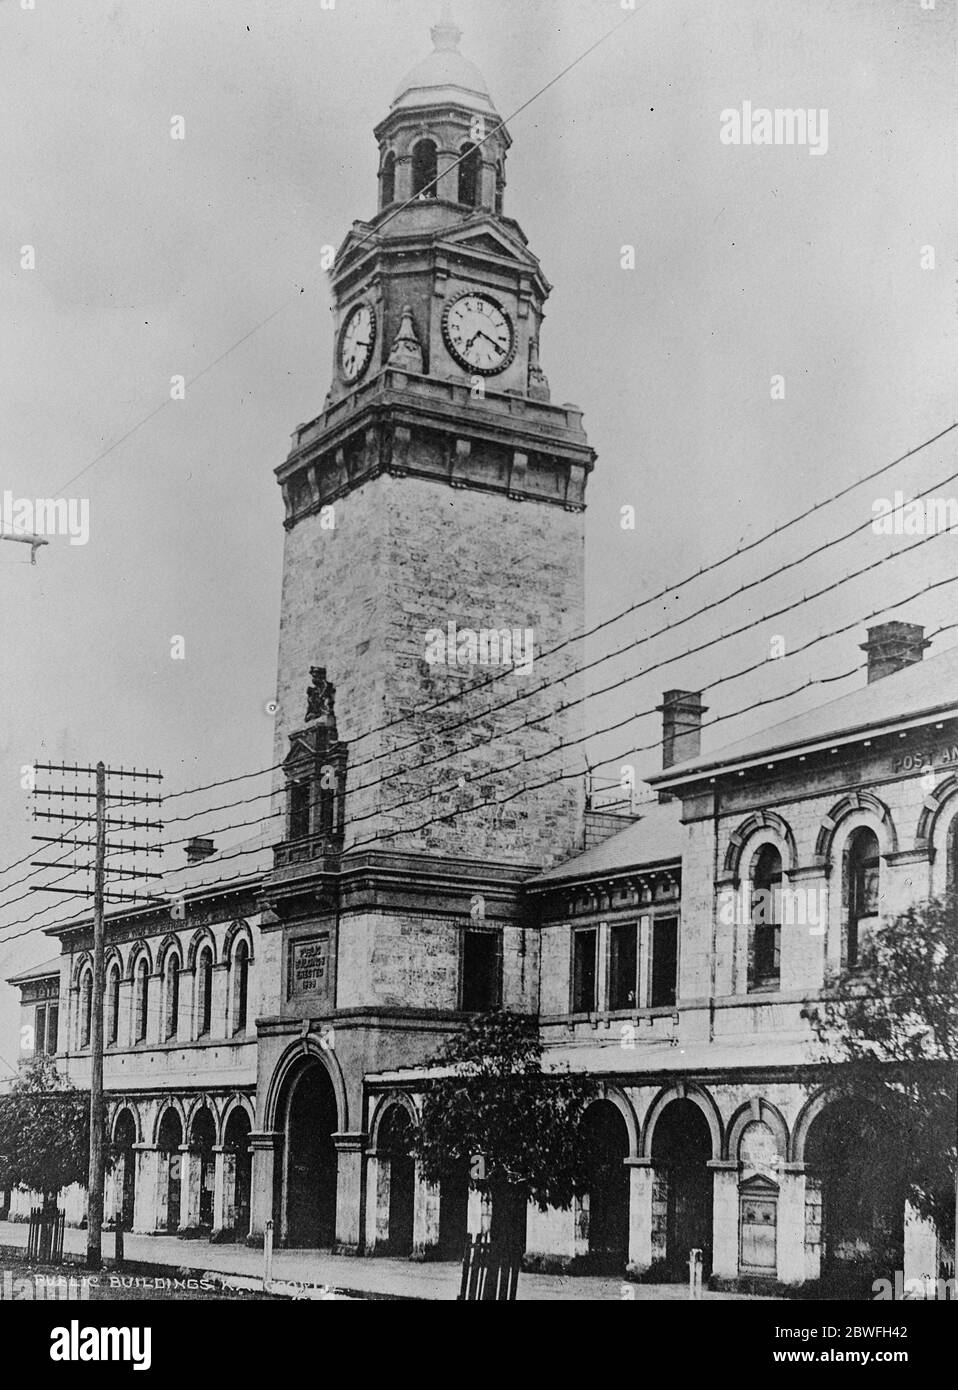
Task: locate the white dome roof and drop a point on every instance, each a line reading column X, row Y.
column 443, row 74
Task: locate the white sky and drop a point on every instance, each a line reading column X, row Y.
column 155, row 256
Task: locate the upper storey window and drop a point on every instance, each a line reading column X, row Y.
column 765, row 944
column 424, row 170
column 861, row 892
column 470, row 175
column 387, row 181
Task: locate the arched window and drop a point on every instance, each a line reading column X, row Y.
column 142, row 1000
column 424, row 170
column 86, row 1006
column 765, row 937
column 387, row 181
column 470, row 175
column 861, row 892
column 113, row 1003
column 172, row 996
column 240, row 986
column 204, row 987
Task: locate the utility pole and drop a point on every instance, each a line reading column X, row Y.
column 100, row 893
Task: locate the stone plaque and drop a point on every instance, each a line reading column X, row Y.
column 308, row 965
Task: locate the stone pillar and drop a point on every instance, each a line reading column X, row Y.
column 791, row 1224
column 265, row 1149
column 640, row 1213
column 447, row 186
column 224, row 1189
column 146, row 1208
column 184, row 1021
column 190, row 1171
column 425, row 1221
column 124, row 1016
column 373, row 1169
column 219, row 1023
column 724, row 1217
column 349, row 1192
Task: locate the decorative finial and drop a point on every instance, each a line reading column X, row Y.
column 446, row 34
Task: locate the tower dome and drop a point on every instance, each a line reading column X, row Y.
column 444, row 75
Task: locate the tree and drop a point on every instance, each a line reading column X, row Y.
column 518, row 1128
column 890, row 1029
column 44, row 1131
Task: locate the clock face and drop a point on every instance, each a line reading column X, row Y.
column 478, row 333
column 356, row 342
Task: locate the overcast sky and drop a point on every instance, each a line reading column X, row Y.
column 154, row 257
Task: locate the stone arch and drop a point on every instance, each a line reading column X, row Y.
column 931, row 809
column 238, row 930
column 113, row 956
column 758, row 1108
column 878, row 817
column 698, row 1095
column 781, row 835
column 204, row 1101
column 118, row 1108
column 169, row 944
column 176, row 1105
column 234, row 1103
column 385, row 1102
column 82, row 961
column 203, row 936
column 812, row 1108
column 305, row 1049
column 138, row 950
column 621, row 1102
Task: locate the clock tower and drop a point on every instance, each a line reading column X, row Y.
column 428, row 737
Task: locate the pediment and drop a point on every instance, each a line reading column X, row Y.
column 491, row 239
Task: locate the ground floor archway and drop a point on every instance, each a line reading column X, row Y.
column 607, row 1148
column 124, row 1159
column 239, row 1159
column 398, row 1167
column 202, row 1140
column 307, row 1174
column 682, row 1189
column 169, row 1142
column 453, row 1209
column 855, row 1170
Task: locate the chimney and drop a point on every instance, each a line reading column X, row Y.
column 682, row 712
column 893, row 646
column 199, row 849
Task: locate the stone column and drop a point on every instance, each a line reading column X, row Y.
column 425, row 1221
column 447, row 186
column 374, row 1166
column 184, row 1020
column 265, row 1149
column 640, row 1213
column 724, row 1217
column 220, row 1026
column 224, row 1189
column 146, row 1208
column 190, row 1170
column 349, row 1192
column 791, row 1224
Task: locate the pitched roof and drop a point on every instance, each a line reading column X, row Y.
column 653, row 838
column 46, row 969
column 909, row 696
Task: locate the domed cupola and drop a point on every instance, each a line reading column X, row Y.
column 443, row 138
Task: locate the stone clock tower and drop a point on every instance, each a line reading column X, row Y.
column 427, row 749
column 440, row 490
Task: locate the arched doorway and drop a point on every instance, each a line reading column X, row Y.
column 682, row 1193
column 395, row 1140
column 607, row 1147
column 309, row 1121
column 453, row 1209
column 853, row 1164
column 236, row 1144
column 124, row 1158
column 202, row 1139
column 169, row 1140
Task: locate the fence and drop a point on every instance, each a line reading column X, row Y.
column 45, row 1236
column 490, row 1273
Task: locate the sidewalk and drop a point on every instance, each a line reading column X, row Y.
column 353, row 1276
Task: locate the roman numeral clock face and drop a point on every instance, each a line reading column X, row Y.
column 356, row 342
column 479, row 333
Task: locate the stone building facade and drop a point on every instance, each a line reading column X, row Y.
column 419, row 877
